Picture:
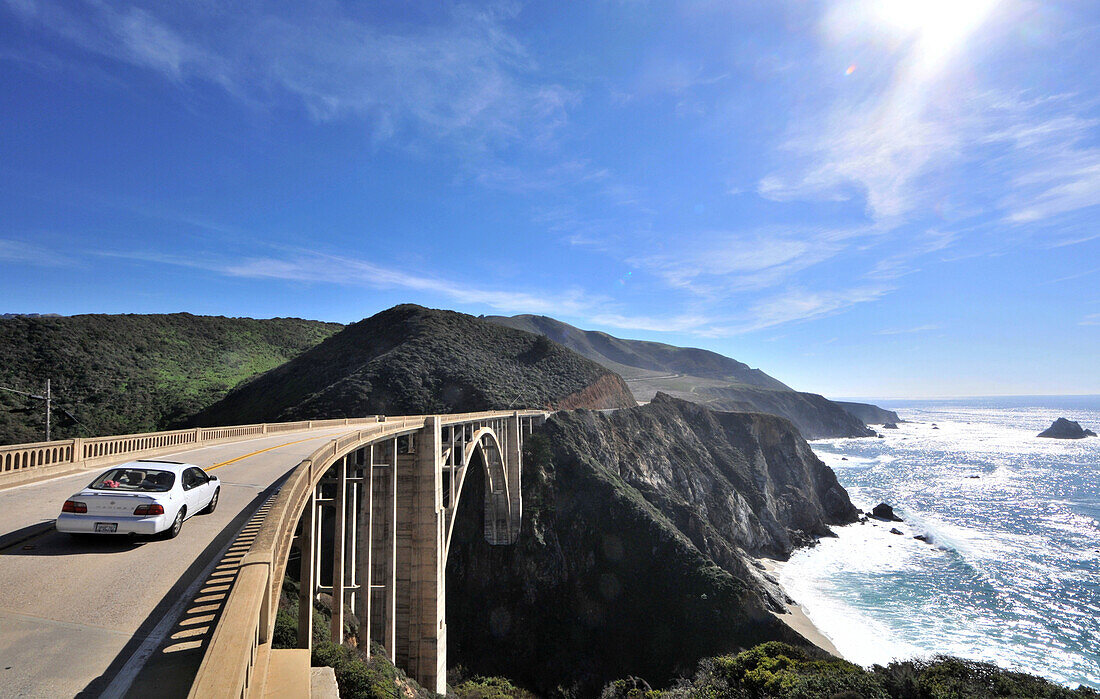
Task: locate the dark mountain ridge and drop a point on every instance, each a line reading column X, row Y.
column 412, row 360
column 626, row 355
column 699, row 376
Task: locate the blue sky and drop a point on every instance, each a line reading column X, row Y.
column 888, row 198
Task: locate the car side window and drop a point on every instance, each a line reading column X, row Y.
column 192, row 478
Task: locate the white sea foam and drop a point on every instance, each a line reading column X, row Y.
column 1013, row 575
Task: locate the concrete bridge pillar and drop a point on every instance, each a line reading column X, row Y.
column 427, row 631
column 513, row 467
column 307, row 580
column 378, row 615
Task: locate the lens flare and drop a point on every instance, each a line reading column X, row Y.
column 851, row 69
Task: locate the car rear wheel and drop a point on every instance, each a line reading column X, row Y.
column 213, row 502
column 177, row 524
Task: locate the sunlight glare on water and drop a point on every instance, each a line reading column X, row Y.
column 1012, row 575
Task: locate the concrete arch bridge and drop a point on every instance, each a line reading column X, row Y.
column 370, row 515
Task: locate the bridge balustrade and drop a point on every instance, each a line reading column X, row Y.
column 24, row 462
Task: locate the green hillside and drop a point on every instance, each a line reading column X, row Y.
column 119, row 374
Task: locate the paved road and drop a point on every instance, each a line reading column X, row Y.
column 74, row 613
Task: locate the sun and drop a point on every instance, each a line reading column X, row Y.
column 939, row 26
column 948, row 16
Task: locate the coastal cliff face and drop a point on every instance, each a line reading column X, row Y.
column 607, row 392
column 870, row 414
column 729, row 481
column 632, row 556
column 815, row 416
column 412, row 360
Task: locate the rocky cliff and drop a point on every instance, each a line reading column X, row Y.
column 632, row 556
column 869, row 414
column 410, row 360
column 815, row 416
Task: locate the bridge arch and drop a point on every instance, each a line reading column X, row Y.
column 485, row 447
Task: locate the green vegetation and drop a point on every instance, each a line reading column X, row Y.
column 478, row 687
column 781, row 671
column 120, row 374
column 411, row 360
column 362, row 677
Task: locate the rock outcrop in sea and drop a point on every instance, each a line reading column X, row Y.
column 1066, row 429
column 886, row 512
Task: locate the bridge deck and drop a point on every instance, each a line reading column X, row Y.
column 74, row 613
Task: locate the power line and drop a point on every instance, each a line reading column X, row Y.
column 49, row 405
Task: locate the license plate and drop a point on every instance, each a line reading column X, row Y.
column 106, row 527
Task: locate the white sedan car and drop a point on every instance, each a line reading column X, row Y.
column 140, row 497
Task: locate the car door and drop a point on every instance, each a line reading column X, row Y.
column 195, row 493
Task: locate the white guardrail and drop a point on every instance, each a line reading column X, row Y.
column 20, row 463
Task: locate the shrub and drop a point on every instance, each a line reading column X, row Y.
column 490, row 688
column 359, row 677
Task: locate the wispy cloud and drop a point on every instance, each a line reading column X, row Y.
column 1070, row 277
column 309, row 267
column 796, row 305
column 466, row 78
column 913, row 247
column 18, row 252
column 593, row 310
column 720, row 262
column 908, row 331
column 1091, row 319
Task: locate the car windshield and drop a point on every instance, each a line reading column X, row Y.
column 135, row 479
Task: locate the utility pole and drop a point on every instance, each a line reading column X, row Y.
column 48, row 398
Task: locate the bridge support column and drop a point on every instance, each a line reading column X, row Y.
column 339, row 548
column 307, row 578
column 365, row 549
column 381, row 610
column 513, row 467
column 427, row 660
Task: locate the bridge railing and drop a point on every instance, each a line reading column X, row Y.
column 235, row 662
column 24, row 462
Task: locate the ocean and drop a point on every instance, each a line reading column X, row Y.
column 1012, row 573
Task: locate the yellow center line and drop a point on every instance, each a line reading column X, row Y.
column 260, row 451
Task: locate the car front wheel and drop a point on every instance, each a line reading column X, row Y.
column 213, row 502
column 177, row 524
